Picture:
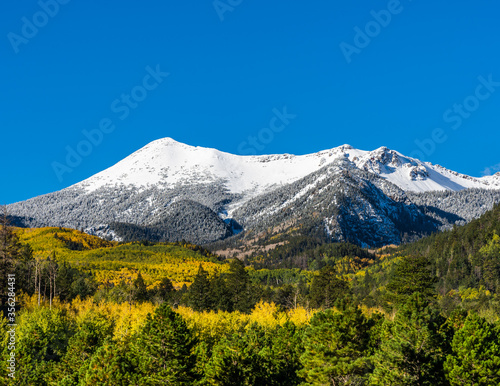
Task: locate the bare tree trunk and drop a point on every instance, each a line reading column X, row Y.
column 52, row 270
column 50, row 292
column 44, row 291
column 37, row 279
column 39, row 288
column 55, row 275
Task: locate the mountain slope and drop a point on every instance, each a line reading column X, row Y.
column 339, row 202
column 344, row 193
column 168, row 163
column 466, row 256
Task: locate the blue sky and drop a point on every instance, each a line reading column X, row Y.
column 417, row 76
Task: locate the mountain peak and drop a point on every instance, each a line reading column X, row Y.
column 177, row 188
column 166, row 141
column 167, row 163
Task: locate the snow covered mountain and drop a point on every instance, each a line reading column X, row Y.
column 171, row 191
column 169, row 163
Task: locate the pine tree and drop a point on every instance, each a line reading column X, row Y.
column 490, row 256
column 412, row 275
column 327, row 288
column 239, row 286
column 412, row 348
column 10, row 247
column 235, row 359
column 199, row 296
column 283, row 354
column 336, row 347
column 220, row 295
column 256, row 356
column 111, row 365
column 41, row 340
column 91, row 334
column 140, row 290
column 475, row 358
column 165, row 290
column 164, row 349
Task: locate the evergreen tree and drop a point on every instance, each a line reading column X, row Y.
column 286, row 296
column 412, row 275
column 165, row 290
column 67, row 275
column 412, row 348
column 336, row 347
column 111, row 365
column 283, row 354
column 164, row 349
column 490, row 260
column 255, row 357
column 239, row 286
column 475, row 358
column 199, row 296
column 91, row 334
column 139, row 289
column 83, row 286
column 235, row 359
column 220, row 295
column 326, row 288
column 41, row 340
column 10, row 247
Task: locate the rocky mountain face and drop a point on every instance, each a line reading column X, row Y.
column 172, row 191
column 341, row 202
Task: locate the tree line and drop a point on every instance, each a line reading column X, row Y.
column 339, row 346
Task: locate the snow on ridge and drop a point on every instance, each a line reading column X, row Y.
column 166, row 162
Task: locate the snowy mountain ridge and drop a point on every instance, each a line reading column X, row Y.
column 168, row 191
column 167, row 163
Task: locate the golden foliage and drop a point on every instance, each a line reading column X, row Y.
column 111, row 262
column 214, row 324
column 127, row 318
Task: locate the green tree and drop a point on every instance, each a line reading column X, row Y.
column 286, row 296
column 111, row 365
column 165, row 290
column 139, row 289
column 411, row 275
column 412, row 348
column 490, row 256
column 164, row 349
column 284, row 354
column 42, row 338
column 90, row 334
column 256, row 357
column 240, row 287
column 10, row 247
column 220, row 295
column 199, row 296
column 24, row 270
column 475, row 358
column 327, row 288
column 83, row 286
column 336, row 347
column 235, row 359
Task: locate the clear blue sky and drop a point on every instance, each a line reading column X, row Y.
column 231, row 69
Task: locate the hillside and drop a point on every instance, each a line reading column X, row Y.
column 467, row 256
column 465, row 262
column 112, row 262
